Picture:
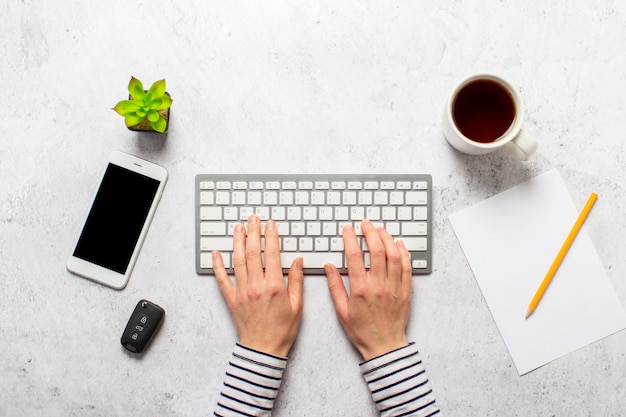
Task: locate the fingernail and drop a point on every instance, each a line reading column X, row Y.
column 270, row 225
column 238, row 228
column 253, row 219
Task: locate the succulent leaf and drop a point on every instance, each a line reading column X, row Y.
column 132, row 119
column 160, row 125
column 155, row 104
column 135, row 89
column 153, row 116
column 166, row 102
column 157, row 88
column 141, row 113
column 126, row 106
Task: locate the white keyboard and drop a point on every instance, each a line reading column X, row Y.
column 310, row 212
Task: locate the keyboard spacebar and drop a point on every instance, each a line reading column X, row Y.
column 312, row 259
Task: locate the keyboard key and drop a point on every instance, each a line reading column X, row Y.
column 336, row 244
column 318, row 198
column 305, row 244
column 420, row 263
column 207, row 198
column 313, row 228
column 414, row 229
column 396, row 198
column 294, row 213
column 415, row 243
column 216, row 243
column 222, row 198
column 342, row 213
column 420, row 213
column 210, row 213
column 270, row 198
column 302, row 198
column 238, row 198
column 416, row 197
column 290, row 244
column 333, row 198
column 212, row 228
column 207, row 185
column 349, row 198
column 321, row 244
column 312, row 259
column 365, row 198
column 254, row 198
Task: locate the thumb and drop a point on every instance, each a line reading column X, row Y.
column 295, row 282
column 337, row 290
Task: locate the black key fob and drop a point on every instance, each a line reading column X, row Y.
column 142, row 325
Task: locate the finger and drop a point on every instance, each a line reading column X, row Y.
column 406, row 282
column 338, row 292
column 223, row 280
column 254, row 260
column 295, row 283
column 378, row 261
column 354, row 256
column 273, row 270
column 394, row 260
column 239, row 255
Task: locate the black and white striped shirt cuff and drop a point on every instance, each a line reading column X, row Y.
column 399, row 384
column 251, row 384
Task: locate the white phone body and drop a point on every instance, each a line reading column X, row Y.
column 117, row 222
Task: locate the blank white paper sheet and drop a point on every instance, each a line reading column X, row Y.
column 510, row 240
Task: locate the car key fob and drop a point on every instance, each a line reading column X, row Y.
column 142, row 326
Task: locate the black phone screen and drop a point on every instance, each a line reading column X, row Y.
column 116, row 218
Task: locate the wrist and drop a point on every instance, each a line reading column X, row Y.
column 252, row 351
column 371, row 352
column 271, row 350
column 390, row 354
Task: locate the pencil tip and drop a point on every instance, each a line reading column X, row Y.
column 528, row 313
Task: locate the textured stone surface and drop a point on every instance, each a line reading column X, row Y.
column 345, row 86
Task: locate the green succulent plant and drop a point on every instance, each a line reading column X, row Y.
column 150, row 105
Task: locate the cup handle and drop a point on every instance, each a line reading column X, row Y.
column 521, row 147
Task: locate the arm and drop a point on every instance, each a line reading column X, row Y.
column 266, row 312
column 374, row 316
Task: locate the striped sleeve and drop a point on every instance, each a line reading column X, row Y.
column 251, row 383
column 399, row 384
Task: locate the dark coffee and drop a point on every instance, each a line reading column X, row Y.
column 483, row 110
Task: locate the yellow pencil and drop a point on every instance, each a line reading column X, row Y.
column 559, row 258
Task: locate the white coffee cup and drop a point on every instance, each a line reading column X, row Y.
column 484, row 113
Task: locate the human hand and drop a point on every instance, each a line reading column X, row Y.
column 375, row 314
column 265, row 310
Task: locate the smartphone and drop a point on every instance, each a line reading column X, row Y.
column 117, row 222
